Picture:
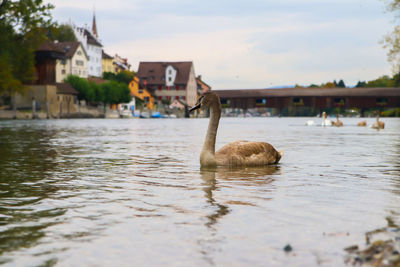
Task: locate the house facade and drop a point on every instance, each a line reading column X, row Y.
column 168, row 81
column 107, row 63
column 93, row 49
column 120, row 63
column 75, row 61
column 139, row 92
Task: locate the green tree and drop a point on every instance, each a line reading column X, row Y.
column 62, row 33
column 361, row 84
column 383, row 81
column 109, row 75
column 341, row 84
column 85, row 91
column 124, row 76
column 21, row 32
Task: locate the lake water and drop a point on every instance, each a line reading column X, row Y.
column 131, row 192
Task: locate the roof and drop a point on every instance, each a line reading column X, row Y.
column 65, row 89
column 154, row 72
column 50, row 47
column 104, row 55
column 96, row 80
column 304, row 92
column 70, row 48
column 90, row 38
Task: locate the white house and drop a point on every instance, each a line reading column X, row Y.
column 75, row 61
column 93, row 48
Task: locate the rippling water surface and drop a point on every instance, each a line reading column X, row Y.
column 131, row 192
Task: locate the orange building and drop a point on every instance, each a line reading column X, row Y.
column 141, row 93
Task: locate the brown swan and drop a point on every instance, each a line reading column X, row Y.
column 378, row 124
column 239, row 153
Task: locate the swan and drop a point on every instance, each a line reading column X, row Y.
column 310, row 123
column 239, row 153
column 362, row 123
column 378, row 124
column 325, row 121
column 337, row 123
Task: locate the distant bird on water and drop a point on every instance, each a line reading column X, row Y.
column 378, row 124
column 337, row 123
column 362, row 123
column 325, row 121
column 239, row 153
column 310, row 123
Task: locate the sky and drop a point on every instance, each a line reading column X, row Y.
column 245, row 44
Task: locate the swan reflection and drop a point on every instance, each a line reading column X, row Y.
column 251, row 176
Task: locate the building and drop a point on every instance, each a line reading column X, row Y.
column 139, row 92
column 75, row 61
column 107, row 62
column 120, row 63
column 169, row 80
column 45, row 95
column 93, row 47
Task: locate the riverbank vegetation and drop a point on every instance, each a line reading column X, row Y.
column 109, row 92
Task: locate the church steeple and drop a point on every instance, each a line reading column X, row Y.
column 94, row 27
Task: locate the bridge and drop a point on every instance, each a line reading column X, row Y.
column 317, row 99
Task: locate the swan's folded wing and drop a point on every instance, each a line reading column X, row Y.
column 247, row 153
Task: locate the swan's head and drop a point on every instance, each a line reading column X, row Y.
column 206, row 100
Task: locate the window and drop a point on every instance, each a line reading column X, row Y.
column 79, row 52
column 79, row 62
column 176, row 97
column 160, row 87
column 63, row 72
column 169, row 72
column 169, row 79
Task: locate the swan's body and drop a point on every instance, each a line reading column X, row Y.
column 378, row 124
column 338, row 123
column 362, row 123
column 325, row 121
column 239, row 153
column 310, row 123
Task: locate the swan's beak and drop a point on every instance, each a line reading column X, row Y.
column 195, row 107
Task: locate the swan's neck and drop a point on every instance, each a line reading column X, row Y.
column 207, row 156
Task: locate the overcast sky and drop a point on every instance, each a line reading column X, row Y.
column 245, row 43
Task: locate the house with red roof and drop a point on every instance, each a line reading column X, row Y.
column 168, row 81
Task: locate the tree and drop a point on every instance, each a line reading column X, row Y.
column 361, row 84
column 341, row 84
column 391, row 41
column 21, row 32
column 124, row 76
column 85, row 91
column 62, row 33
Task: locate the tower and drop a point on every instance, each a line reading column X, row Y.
column 94, row 27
